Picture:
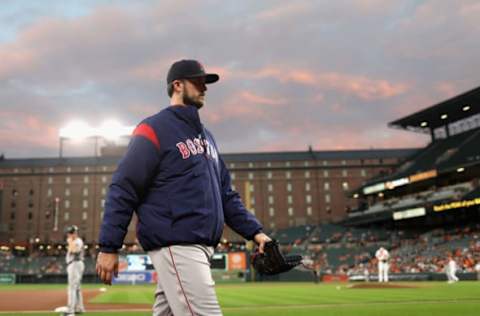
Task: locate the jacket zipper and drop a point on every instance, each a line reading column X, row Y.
column 209, row 165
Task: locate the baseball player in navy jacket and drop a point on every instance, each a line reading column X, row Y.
column 174, row 179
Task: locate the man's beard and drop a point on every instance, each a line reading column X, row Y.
column 196, row 103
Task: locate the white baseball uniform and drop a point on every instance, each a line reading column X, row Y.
column 75, row 268
column 477, row 268
column 450, row 270
column 382, row 256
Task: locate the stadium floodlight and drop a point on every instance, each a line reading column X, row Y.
column 112, row 130
column 77, row 130
column 444, row 116
column 461, row 169
column 423, row 124
column 466, row 108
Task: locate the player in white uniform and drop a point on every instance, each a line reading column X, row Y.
column 450, row 270
column 75, row 268
column 382, row 256
column 477, row 269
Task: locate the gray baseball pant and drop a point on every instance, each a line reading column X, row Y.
column 185, row 284
column 75, row 273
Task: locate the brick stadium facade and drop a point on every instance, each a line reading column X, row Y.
column 282, row 188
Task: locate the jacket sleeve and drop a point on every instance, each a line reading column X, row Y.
column 130, row 182
column 236, row 215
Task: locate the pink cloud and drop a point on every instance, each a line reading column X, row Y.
column 282, row 74
column 84, row 44
column 252, row 98
column 337, row 108
column 238, row 109
column 29, row 131
column 302, row 76
column 265, row 72
column 343, row 139
column 119, row 49
column 470, row 12
column 319, row 98
column 14, row 59
column 245, row 105
column 360, row 86
column 212, row 117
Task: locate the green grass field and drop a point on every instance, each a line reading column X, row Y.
column 302, row 299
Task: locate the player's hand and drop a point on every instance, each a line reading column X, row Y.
column 261, row 239
column 107, row 266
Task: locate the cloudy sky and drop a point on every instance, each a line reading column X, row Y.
column 330, row 74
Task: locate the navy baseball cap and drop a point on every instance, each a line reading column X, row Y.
column 188, row 68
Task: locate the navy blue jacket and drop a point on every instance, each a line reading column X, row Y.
column 174, row 179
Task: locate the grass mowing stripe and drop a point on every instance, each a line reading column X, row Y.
column 437, row 309
column 298, row 299
column 125, row 297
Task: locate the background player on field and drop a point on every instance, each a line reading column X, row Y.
column 451, row 269
column 382, row 256
column 477, row 269
column 75, row 268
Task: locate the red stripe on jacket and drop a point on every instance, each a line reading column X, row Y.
column 146, row 131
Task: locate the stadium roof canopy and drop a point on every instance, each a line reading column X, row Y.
column 459, row 107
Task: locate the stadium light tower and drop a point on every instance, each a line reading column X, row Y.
column 113, row 130
column 77, row 130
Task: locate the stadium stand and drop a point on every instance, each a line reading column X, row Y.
column 336, row 249
column 292, row 235
column 432, row 198
column 439, row 152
